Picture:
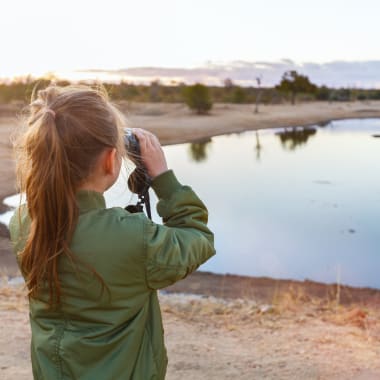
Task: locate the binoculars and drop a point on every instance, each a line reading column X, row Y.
column 139, row 180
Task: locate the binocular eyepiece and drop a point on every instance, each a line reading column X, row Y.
column 131, row 143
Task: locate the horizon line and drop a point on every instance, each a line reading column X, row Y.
column 333, row 74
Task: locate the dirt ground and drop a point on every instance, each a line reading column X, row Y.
column 248, row 328
column 212, row 338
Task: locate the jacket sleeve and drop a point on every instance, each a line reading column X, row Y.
column 183, row 242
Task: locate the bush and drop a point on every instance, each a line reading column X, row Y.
column 239, row 95
column 341, row 95
column 375, row 95
column 197, row 97
column 323, row 93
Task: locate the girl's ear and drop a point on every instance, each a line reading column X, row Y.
column 109, row 162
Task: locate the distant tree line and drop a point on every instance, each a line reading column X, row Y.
column 292, row 87
column 154, row 92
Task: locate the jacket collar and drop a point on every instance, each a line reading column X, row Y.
column 89, row 200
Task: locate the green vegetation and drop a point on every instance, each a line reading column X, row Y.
column 323, row 93
column 198, row 98
column 239, row 95
column 292, row 85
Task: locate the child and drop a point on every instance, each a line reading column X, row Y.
column 92, row 273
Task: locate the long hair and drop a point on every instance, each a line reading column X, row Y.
column 67, row 129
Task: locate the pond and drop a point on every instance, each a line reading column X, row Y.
column 298, row 203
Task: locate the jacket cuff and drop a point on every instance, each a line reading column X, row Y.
column 165, row 184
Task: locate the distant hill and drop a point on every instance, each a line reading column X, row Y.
column 335, row 74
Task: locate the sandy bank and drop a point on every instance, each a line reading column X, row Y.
column 173, row 123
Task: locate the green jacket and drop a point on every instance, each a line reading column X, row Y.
column 115, row 332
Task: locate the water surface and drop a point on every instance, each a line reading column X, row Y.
column 300, row 203
column 296, row 203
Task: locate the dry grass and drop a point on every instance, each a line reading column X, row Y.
column 13, row 298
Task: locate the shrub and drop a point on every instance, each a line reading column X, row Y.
column 239, row 95
column 197, row 97
column 375, row 95
column 323, row 93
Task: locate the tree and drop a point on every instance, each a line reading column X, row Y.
column 197, row 97
column 258, row 95
column 293, row 83
column 154, row 91
column 228, row 83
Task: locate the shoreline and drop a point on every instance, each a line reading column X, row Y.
column 262, row 289
column 321, row 122
column 269, row 290
column 174, row 124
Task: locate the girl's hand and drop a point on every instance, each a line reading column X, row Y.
column 151, row 151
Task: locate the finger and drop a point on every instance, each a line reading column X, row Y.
column 150, row 140
column 142, row 141
column 138, row 132
column 141, row 137
column 154, row 141
column 144, row 132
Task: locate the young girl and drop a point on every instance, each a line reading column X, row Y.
column 92, row 273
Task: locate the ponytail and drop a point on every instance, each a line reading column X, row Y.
column 67, row 130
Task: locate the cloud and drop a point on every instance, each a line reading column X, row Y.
column 364, row 74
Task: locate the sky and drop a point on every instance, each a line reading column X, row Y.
column 42, row 36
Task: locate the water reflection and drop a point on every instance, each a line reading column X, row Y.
column 323, row 124
column 295, row 137
column 258, row 147
column 198, row 150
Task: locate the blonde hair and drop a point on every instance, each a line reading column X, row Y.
column 67, row 129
